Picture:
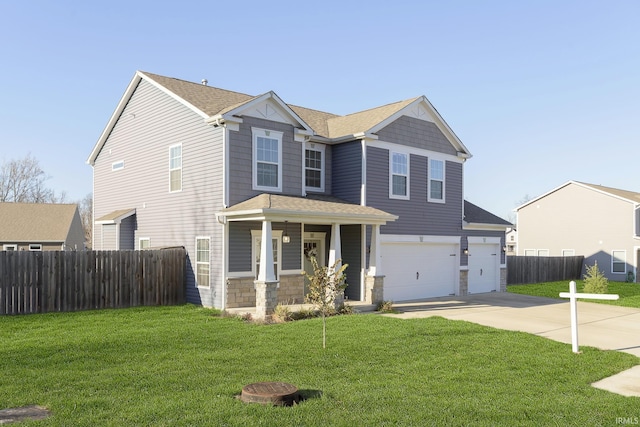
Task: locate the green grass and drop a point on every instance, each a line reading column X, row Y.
column 182, row 366
column 629, row 292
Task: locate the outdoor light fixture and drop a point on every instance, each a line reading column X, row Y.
column 465, row 251
column 285, row 236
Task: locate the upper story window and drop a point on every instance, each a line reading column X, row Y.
column 314, row 167
column 116, row 166
column 175, row 167
column 398, row 175
column 436, row 181
column 618, row 261
column 267, row 160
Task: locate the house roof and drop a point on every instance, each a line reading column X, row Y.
column 629, row 196
column 476, row 215
column 318, row 209
column 213, row 103
column 116, row 216
column 36, row 222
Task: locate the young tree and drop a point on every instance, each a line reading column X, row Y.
column 85, row 207
column 595, row 281
column 23, row 181
column 325, row 284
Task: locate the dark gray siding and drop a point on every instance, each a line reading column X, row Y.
column 417, row 133
column 241, row 166
column 151, row 122
column 127, row 233
column 416, row 216
column 351, row 239
column 347, row 171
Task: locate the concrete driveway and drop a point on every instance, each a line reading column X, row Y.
column 599, row 325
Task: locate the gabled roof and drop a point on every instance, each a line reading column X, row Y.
column 475, row 215
column 115, row 217
column 36, row 222
column 213, row 104
column 629, row 196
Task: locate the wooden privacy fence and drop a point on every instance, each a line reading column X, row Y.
column 538, row 269
column 40, row 282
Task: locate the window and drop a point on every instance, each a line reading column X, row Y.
column 202, row 261
column 12, row 247
column 314, row 167
column 144, row 243
column 543, row 252
column 175, row 168
column 618, row 261
column 35, row 247
column 436, row 181
column 267, row 160
column 116, row 166
column 529, row 252
column 568, row 252
column 276, row 238
column 399, row 176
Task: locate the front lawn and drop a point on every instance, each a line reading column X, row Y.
column 629, row 292
column 172, row 366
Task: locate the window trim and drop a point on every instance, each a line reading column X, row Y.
column 312, row 146
column 443, row 180
column 10, row 247
column 568, row 252
column 208, row 263
column 407, row 157
column 271, row 134
column 35, row 247
column 275, row 235
column 116, row 166
column 171, row 147
column 144, row 239
column 623, row 261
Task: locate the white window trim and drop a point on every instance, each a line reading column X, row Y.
column 116, row 166
column 275, row 235
column 542, row 252
column 568, row 252
column 208, row 285
column 532, row 252
column 623, row 261
column 444, row 181
column 314, row 147
column 143, row 239
column 391, row 174
column 35, row 247
column 10, row 247
column 180, row 168
column 256, row 132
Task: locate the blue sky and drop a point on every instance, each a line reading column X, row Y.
column 541, row 92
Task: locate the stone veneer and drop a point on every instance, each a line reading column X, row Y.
column 241, row 291
column 503, row 280
column 464, row 282
column 373, row 288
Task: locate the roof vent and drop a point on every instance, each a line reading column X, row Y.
column 204, row 82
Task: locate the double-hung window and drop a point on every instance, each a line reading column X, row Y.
column 175, row 167
column 267, row 160
column 618, row 261
column 276, row 246
column 202, row 261
column 399, row 175
column 314, row 167
column 436, row 181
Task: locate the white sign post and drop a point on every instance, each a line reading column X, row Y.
column 573, row 300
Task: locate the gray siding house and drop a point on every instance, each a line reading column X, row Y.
column 576, row 218
column 224, row 173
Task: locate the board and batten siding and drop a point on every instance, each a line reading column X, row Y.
column 152, row 122
column 416, row 216
column 241, row 160
column 346, row 171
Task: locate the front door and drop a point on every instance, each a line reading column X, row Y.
column 313, row 246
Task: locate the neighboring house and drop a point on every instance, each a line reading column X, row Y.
column 221, row 172
column 40, row 227
column 600, row 223
column 512, row 241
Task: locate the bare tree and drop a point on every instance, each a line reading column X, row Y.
column 23, row 181
column 85, row 207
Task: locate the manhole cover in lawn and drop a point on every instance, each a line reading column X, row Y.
column 270, row 393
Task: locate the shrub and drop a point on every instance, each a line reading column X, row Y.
column 282, row 313
column 594, row 280
column 346, row 309
column 385, row 306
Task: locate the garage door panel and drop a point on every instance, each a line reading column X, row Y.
column 483, row 270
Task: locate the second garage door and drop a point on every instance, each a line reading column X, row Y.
column 419, row 270
column 484, row 262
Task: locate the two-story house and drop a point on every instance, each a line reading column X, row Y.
column 601, row 223
column 224, row 173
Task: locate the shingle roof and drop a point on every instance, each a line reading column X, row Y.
column 30, row 222
column 629, row 195
column 476, row 215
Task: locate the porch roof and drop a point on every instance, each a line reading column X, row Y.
column 313, row 209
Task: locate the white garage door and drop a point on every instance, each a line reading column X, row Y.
column 484, row 260
column 419, row 270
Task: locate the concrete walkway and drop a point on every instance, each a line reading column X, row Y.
column 599, row 325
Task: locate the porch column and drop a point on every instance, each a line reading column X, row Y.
column 374, row 282
column 266, row 285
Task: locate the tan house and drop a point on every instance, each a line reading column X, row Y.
column 577, row 218
column 40, row 227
